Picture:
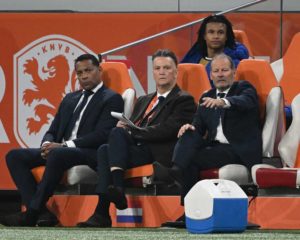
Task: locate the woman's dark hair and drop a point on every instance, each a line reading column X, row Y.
column 201, row 43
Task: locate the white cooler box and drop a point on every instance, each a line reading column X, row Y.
column 216, row 205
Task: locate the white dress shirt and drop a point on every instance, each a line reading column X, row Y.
column 159, row 95
column 69, row 141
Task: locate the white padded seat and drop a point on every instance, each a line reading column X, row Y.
column 266, row 176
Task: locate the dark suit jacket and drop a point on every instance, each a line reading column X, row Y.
column 161, row 132
column 241, row 123
column 96, row 121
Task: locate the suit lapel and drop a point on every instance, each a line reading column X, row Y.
column 231, row 91
column 144, row 106
column 73, row 103
column 71, row 108
column 92, row 103
column 170, row 96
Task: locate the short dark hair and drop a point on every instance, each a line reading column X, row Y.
column 165, row 53
column 201, row 43
column 88, row 56
column 224, row 56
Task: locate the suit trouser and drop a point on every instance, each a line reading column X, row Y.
column 192, row 153
column 121, row 151
column 21, row 161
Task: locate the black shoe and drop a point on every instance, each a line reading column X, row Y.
column 252, row 226
column 21, row 219
column 161, row 174
column 176, row 173
column 47, row 219
column 15, row 219
column 179, row 223
column 96, row 220
column 117, row 196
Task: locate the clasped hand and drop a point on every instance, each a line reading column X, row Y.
column 47, row 147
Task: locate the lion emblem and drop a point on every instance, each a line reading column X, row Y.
column 52, row 89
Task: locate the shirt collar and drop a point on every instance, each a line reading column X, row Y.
column 95, row 89
column 164, row 95
column 226, row 91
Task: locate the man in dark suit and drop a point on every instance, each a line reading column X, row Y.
column 82, row 123
column 159, row 116
column 226, row 128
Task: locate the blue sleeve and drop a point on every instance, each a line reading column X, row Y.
column 192, row 56
column 237, row 54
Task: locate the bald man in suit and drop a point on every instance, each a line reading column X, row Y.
column 226, row 128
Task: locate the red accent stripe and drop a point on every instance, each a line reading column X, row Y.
column 134, row 182
column 133, row 203
column 267, row 178
column 209, row 174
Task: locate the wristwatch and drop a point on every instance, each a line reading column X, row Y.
column 64, row 144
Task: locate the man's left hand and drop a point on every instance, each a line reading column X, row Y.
column 48, row 147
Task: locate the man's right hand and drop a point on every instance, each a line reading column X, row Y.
column 122, row 125
column 185, row 128
column 44, row 150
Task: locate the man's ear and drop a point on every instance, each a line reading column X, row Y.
column 100, row 69
column 100, row 58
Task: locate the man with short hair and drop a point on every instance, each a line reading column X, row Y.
column 82, row 123
column 159, row 116
column 226, row 128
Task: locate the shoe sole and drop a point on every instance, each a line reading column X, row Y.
column 113, row 194
column 47, row 223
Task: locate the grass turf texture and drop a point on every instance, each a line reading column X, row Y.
column 135, row 233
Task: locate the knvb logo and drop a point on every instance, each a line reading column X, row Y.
column 43, row 74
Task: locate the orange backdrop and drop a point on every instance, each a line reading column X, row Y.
column 45, row 36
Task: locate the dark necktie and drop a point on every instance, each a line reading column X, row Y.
column 218, row 114
column 76, row 114
column 147, row 118
column 220, row 111
column 221, row 95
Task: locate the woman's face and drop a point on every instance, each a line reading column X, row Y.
column 215, row 35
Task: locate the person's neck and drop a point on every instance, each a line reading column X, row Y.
column 223, row 89
column 213, row 52
column 162, row 90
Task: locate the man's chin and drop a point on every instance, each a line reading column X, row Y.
column 222, row 87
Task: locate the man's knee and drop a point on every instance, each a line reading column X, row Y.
column 190, row 139
column 102, row 158
column 14, row 156
column 189, row 135
column 56, row 157
column 117, row 133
